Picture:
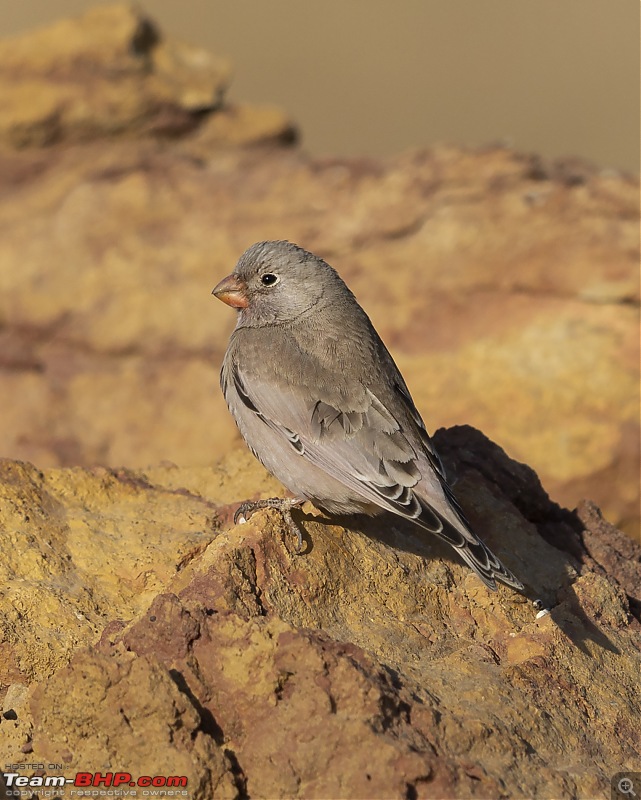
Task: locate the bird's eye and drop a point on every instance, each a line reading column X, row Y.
column 268, row 279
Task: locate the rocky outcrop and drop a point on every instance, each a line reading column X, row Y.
column 112, row 74
column 142, row 633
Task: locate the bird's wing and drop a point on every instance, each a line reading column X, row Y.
column 359, row 442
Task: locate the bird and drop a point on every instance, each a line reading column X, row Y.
column 321, row 404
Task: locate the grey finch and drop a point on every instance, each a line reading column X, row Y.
column 320, row 402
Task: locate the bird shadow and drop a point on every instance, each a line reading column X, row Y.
column 387, row 528
column 575, row 624
column 564, row 607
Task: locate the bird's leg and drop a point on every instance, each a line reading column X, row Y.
column 284, row 507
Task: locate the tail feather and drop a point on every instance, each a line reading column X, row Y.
column 487, row 566
column 471, row 549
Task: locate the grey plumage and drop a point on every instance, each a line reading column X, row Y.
column 320, row 402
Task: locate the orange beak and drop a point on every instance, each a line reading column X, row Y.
column 233, row 291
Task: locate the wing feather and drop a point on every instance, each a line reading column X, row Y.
column 368, row 451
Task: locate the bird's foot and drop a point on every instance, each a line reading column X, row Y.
column 284, row 507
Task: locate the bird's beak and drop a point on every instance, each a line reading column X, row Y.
column 233, row 291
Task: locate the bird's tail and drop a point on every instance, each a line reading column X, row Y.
column 468, row 545
column 486, row 565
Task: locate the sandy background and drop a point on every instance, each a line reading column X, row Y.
column 370, row 77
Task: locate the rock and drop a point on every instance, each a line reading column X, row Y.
column 375, row 664
column 125, row 695
column 82, row 548
column 102, row 74
column 111, row 73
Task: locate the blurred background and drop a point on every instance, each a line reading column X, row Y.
column 444, row 171
column 371, row 77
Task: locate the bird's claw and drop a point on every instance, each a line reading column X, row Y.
column 281, row 504
column 244, row 512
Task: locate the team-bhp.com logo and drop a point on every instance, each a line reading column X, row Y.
column 96, row 784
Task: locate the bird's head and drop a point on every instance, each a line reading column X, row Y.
column 277, row 282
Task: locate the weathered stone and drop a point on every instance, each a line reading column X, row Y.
column 81, row 548
column 374, row 664
column 106, row 724
column 107, row 73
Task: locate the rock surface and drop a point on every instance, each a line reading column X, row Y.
column 141, row 632
column 129, row 185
